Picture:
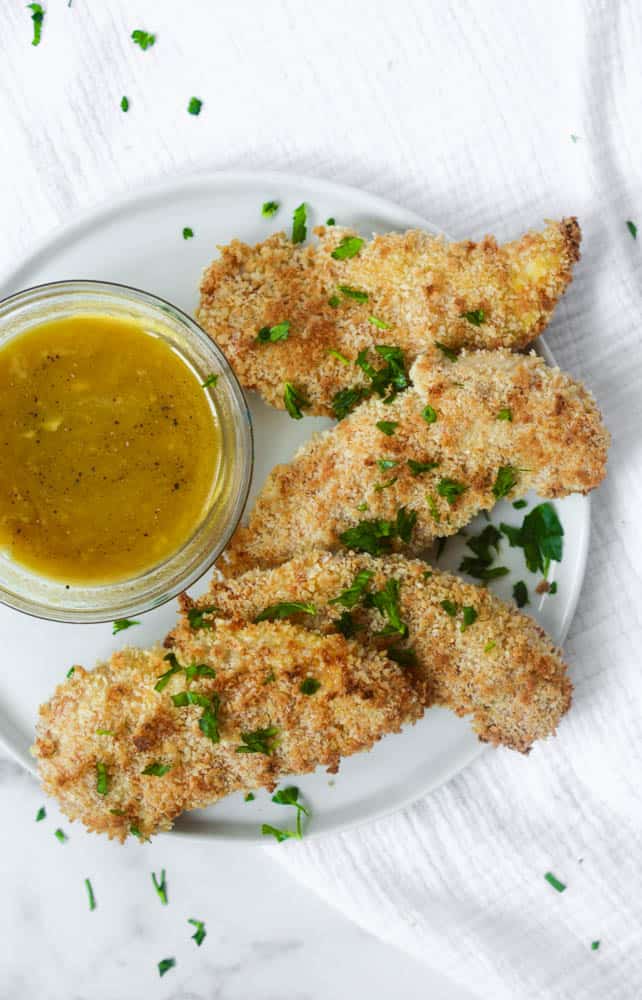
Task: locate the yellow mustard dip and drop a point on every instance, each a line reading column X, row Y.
column 108, row 449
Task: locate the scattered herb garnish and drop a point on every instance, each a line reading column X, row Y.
column 404, row 657
column 334, row 301
column 520, row 504
column 387, row 427
column 210, row 380
column 299, row 228
column 275, row 612
column 448, row 352
column 174, row 668
column 90, row 895
column 40, row 815
column 60, row 836
column 37, row 16
column 386, row 381
column 188, row 233
column 376, row 536
column 122, row 623
column 417, row 468
column 208, row 722
column 356, row 591
column 102, row 780
column 387, row 463
column 555, row 882
column 157, row 769
column 386, row 601
column 450, row 489
column 595, row 945
column 249, row 797
column 70, row 672
column 553, row 587
column 433, row 508
column 631, row 226
column 135, row 832
column 194, row 106
column 449, row 607
column 379, row 323
column 269, row 208
column 520, row 594
column 330, row 221
column 490, row 646
column 259, row 741
column 480, row 566
column 346, row 625
column 353, row 293
column 406, row 521
column 272, row 334
column 540, row 536
column 184, row 698
column 384, row 486
column 273, row 831
column 200, row 933
column 309, row 686
column 506, row 480
column 348, row 247
column 475, row 316
column 165, row 965
column 505, row 414
column 294, row 401
column 143, row 38
column 290, row 797
column 270, row 678
column 104, row 732
column 196, row 617
column 429, row 414
column 124, row 104
column 469, row 617
column 344, row 401
column 161, row 887
column 339, row 356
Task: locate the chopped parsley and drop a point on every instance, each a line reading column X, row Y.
column 433, row 508
column 346, row 625
column 165, row 965
column 272, row 831
column 379, row 323
column 121, row 624
column 387, row 463
column 429, row 414
column 37, row 16
column 339, row 356
column 330, row 221
column 404, row 657
column 60, row 836
column 208, row 722
column 269, row 208
column 375, row 537
column 160, row 886
column 553, row 587
column 174, row 668
column 90, row 895
column 520, row 504
column 272, row 334
column 356, row 591
column 210, row 380
column 348, row 247
column 259, row 741
column 143, row 38
column 275, row 612
column 294, row 401
column 520, row 594
column 124, row 104
column 334, row 301
column 475, row 316
column 595, row 945
column 194, row 106
column 406, row 521
column 299, row 228
column 104, row 732
column 199, row 670
column 345, row 400
column 353, row 293
column 70, row 672
column 387, row 427
column 40, row 815
column 386, row 601
column 309, row 686
column 469, row 617
column 290, row 797
column 490, row 646
column 102, row 779
column 184, row 698
column 384, row 486
column 417, row 468
column 249, row 797
column 362, row 506
column 386, row 381
column 631, row 226
column 555, row 882
column 506, row 480
column 200, row 933
column 188, row 233
column 505, row 414
column 449, row 607
column 450, row 489
column 157, row 769
column 480, row 565
column 540, row 536
column 196, row 617
column 448, row 352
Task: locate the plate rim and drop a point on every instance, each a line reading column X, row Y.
column 116, row 204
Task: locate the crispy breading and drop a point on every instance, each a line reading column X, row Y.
column 418, row 285
column 259, row 671
column 554, row 443
column 502, row 669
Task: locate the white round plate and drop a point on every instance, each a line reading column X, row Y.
column 138, row 241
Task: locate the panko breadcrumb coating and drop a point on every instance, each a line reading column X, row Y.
column 259, row 671
column 419, row 289
column 490, row 411
column 502, row 669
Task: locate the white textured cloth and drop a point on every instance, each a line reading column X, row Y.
column 465, row 112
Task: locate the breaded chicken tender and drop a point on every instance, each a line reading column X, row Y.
column 487, row 425
column 415, row 286
column 490, row 661
column 123, row 756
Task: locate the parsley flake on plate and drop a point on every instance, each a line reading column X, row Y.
column 449, row 607
column 121, row 624
column 505, row 414
column 269, row 208
column 272, row 334
column 143, row 38
column 520, row 504
column 450, row 489
column 631, row 226
column 157, row 769
column 469, row 617
column 404, row 657
column 429, row 414
column 309, row 686
column 334, row 301
column 249, row 797
column 90, row 895
column 506, row 480
column 356, row 591
column 196, row 617
column 490, row 646
column 386, row 601
column 200, row 934
column 104, row 732
column 276, row 612
column 387, row 463
column 520, row 594
column 194, row 106
column 37, row 16
column 188, row 233
column 330, row 221
column 294, row 400
column 595, row 945
column 290, row 797
column 338, row 355
column 433, row 508
column 210, row 380
column 405, row 524
column 299, row 219
column 555, row 882
column 160, row 886
column 60, row 836
column 124, row 104
column 102, row 778
column 448, row 352
column 387, row 427
column 259, row 741
column 475, row 316
column 353, row 293
column 417, row 468
column 40, row 815
column 553, row 587
column 347, row 248
column 540, row 536
column 384, row 486
column 70, row 672
column 480, row 565
column 346, row 625
column 165, row 965
column 174, row 668
column 373, row 537
column 379, row 323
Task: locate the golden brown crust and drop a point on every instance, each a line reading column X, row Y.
column 418, row 284
column 555, row 442
column 502, row 669
column 361, row 697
